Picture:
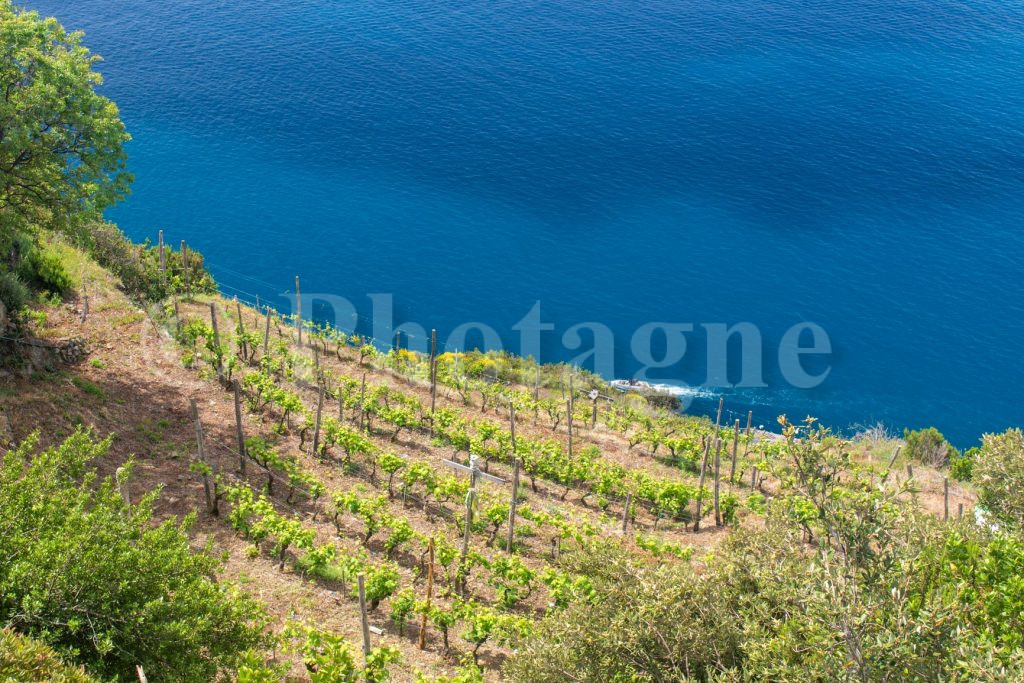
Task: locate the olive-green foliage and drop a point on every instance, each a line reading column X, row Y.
column 13, row 292
column 138, row 266
column 929, row 446
column 961, row 467
column 660, row 399
column 999, row 477
column 23, row 659
column 847, row 581
column 649, row 623
column 62, row 148
column 91, row 576
column 44, row 270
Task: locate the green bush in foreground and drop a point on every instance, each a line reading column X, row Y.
column 999, row 476
column 23, row 659
column 96, row 579
column 846, row 582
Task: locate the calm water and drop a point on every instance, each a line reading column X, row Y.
column 857, row 164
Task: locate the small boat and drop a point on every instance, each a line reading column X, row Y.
column 625, row 385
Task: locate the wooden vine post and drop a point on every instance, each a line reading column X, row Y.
column 266, row 333
column 892, row 461
column 208, row 470
column 184, row 268
column 430, row 593
column 363, row 617
column 570, row 406
column 700, row 486
column 945, row 499
column 514, row 501
column 735, row 451
column 433, row 375
column 746, row 449
column 704, row 467
column 536, row 393
column 625, row 512
column 163, row 262
column 718, row 472
column 239, row 433
column 298, row 309
column 241, row 324
column 316, row 424
column 362, row 402
column 216, row 341
column 341, row 403
column 474, row 473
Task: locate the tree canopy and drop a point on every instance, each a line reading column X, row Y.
column 62, row 158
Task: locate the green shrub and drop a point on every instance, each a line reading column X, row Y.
column 657, row 398
column 999, row 477
column 23, row 659
column 13, row 292
column 729, row 506
column 846, row 581
column 756, row 503
column 87, row 574
column 929, row 446
column 138, row 266
column 961, row 467
column 44, row 270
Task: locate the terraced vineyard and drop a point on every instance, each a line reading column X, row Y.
column 195, row 490
column 337, row 479
column 342, row 473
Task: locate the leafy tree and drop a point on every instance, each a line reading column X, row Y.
column 89, row 574
column 62, row 159
column 999, row 477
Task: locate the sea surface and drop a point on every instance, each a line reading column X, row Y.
column 855, row 164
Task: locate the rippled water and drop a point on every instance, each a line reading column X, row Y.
column 858, row 164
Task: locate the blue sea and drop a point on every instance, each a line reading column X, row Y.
column 855, row 164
